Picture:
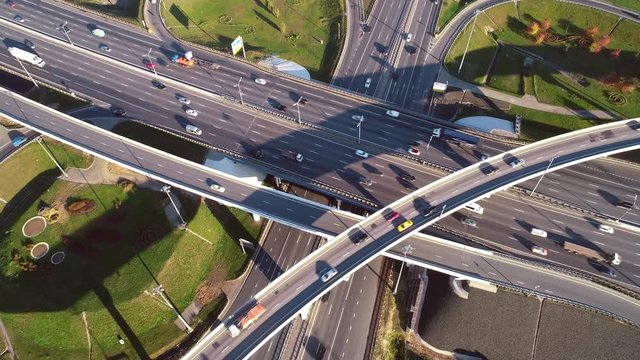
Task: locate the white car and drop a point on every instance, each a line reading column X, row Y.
column 414, row 151
column 98, row 32
column 393, row 113
column 217, row 188
column 193, row 130
column 409, row 37
column 357, row 117
column 191, row 112
column 183, row 100
column 605, row 228
column 367, row 83
column 362, row 154
column 328, row 275
column 539, row 250
column 260, row 81
column 18, row 18
column 516, row 162
column 538, row 232
column 468, row 221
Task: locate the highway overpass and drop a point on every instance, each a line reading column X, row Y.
column 301, row 285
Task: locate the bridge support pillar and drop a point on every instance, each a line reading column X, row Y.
column 458, row 289
column 483, row 285
column 338, row 203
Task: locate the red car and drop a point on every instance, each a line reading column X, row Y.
column 392, row 216
column 150, row 65
column 11, row 3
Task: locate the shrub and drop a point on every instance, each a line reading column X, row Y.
column 396, row 347
column 81, row 206
column 533, row 28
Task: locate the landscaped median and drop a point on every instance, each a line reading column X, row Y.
column 117, row 246
column 308, row 32
column 564, row 54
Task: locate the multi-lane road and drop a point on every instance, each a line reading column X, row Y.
column 302, row 284
column 328, row 160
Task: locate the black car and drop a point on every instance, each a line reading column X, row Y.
column 364, row 181
column 118, row 111
column 303, row 101
column 411, row 50
column 408, row 177
column 359, row 238
column 281, row 107
column 602, row 268
column 257, row 153
column 427, row 211
column 158, row 84
column 624, row 204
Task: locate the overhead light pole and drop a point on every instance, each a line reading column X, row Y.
column 160, row 291
column 543, row 174
column 635, row 198
column 65, row 30
column 297, row 104
column 153, row 66
column 167, row 189
column 51, row 156
column 27, row 71
column 407, row 249
column 442, row 212
column 468, row 40
column 359, row 126
column 240, row 90
column 428, row 144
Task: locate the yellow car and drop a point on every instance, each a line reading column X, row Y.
column 405, row 225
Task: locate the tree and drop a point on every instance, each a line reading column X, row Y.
column 592, row 32
column 539, row 39
column 615, row 53
column 595, row 47
column 627, row 86
column 546, row 24
column 603, row 41
column 533, row 28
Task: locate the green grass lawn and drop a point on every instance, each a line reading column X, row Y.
column 113, row 255
column 162, row 141
column 292, row 30
column 367, row 6
column 480, row 51
column 506, row 74
column 549, row 85
column 32, row 161
column 129, row 12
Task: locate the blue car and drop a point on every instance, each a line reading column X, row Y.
column 17, row 141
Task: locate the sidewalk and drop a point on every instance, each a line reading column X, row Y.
column 527, row 101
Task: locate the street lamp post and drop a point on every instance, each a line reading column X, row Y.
column 428, row 144
column 468, row 40
column 405, row 249
column 167, row 189
column 297, row 104
column 635, row 197
column 65, row 30
column 153, row 66
column 26, row 71
column 359, row 126
column 442, row 212
column 239, row 90
column 52, row 158
column 543, row 174
column 160, row 291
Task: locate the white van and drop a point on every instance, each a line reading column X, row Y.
column 538, row 232
column 193, row 130
column 475, row 208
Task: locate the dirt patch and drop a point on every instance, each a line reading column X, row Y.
column 34, row 226
column 211, row 288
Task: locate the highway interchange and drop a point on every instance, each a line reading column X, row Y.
column 243, row 130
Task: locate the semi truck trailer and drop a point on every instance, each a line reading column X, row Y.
column 613, row 259
column 247, row 319
column 455, row 136
column 26, row 56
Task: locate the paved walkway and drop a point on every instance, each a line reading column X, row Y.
column 527, row 101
